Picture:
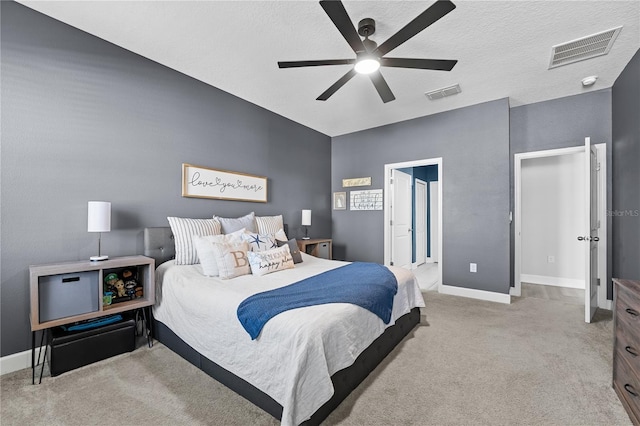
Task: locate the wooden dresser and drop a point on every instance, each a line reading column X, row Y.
column 626, row 349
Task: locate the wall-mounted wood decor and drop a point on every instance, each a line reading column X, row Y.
column 363, row 181
column 203, row 182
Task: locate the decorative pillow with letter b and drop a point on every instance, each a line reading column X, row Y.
column 266, row 262
column 232, row 259
column 204, row 247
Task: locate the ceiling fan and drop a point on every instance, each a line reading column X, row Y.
column 369, row 56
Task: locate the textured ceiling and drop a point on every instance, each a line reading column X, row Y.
column 502, row 47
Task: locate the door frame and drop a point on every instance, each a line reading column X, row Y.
column 602, row 193
column 415, row 219
column 387, row 205
column 433, row 236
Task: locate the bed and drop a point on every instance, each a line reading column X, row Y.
column 305, row 361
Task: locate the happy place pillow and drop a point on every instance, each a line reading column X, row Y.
column 206, row 254
column 232, row 259
column 268, row 261
column 183, row 230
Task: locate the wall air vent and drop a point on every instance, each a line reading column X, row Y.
column 443, row 93
column 583, row 48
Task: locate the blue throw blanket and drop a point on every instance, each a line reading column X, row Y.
column 369, row 285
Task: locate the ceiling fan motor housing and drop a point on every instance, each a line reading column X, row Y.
column 366, row 27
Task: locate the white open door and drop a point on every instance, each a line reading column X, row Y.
column 591, row 237
column 421, row 221
column 401, row 219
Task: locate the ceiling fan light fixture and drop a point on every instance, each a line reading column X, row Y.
column 367, row 65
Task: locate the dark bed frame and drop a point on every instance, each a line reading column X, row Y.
column 158, row 244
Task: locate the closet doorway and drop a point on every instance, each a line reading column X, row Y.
column 552, row 190
column 425, row 225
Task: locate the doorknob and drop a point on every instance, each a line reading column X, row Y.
column 581, row 239
column 595, row 238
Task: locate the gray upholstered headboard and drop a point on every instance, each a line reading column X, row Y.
column 159, row 244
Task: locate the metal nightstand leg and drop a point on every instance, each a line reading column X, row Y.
column 33, row 356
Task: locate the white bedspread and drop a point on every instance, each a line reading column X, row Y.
column 297, row 352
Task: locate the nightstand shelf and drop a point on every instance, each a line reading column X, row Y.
column 318, row 247
column 69, row 292
column 37, row 273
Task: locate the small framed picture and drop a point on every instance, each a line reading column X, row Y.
column 339, row 200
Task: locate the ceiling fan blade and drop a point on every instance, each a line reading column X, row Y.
column 381, row 86
column 335, row 86
column 425, row 64
column 422, row 21
column 296, row 64
column 340, row 18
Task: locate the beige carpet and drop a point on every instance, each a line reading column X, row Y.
column 534, row 362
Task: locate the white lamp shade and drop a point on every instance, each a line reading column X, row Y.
column 99, row 217
column 306, row 217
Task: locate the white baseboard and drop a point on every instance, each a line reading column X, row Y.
column 18, row 361
column 475, row 294
column 554, row 281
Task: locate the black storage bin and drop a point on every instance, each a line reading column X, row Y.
column 74, row 349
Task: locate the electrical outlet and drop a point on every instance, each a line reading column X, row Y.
column 551, row 259
column 473, row 267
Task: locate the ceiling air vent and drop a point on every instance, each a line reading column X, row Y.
column 583, row 48
column 443, row 93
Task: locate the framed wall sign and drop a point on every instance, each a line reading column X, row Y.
column 370, row 199
column 203, row 182
column 363, row 181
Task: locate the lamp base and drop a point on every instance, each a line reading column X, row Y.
column 98, row 258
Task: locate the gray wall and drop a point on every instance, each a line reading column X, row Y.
column 474, row 145
column 626, row 172
column 562, row 123
column 85, row 120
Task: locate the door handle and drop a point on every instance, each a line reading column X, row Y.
column 595, row 238
column 582, row 239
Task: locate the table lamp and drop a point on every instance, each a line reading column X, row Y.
column 99, row 220
column 306, row 221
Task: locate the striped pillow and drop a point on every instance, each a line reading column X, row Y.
column 269, row 224
column 183, row 229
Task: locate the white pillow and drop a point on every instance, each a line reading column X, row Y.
column 281, row 236
column 204, row 247
column 269, row 224
column 260, row 242
column 232, row 259
column 266, row 262
column 183, row 230
column 230, row 224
